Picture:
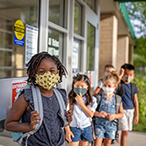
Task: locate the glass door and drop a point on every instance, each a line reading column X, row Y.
column 92, row 42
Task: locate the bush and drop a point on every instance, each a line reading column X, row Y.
column 141, row 85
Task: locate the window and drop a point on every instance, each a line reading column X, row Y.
column 57, row 11
column 55, row 43
column 12, row 57
column 91, row 4
column 90, row 47
column 78, row 18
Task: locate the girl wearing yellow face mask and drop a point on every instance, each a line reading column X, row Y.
column 44, row 71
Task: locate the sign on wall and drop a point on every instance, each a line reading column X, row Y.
column 75, row 55
column 19, row 33
column 30, row 43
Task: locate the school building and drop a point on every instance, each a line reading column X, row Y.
column 84, row 34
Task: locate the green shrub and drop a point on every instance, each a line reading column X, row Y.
column 141, row 85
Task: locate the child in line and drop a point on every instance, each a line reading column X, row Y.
column 109, row 109
column 83, row 110
column 128, row 93
column 41, row 66
column 107, row 69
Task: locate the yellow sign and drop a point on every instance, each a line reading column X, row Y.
column 19, row 29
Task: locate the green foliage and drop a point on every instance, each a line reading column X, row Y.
column 137, row 11
column 141, row 85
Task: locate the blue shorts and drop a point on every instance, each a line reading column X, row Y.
column 85, row 134
column 105, row 129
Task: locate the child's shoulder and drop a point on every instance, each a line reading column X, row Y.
column 63, row 93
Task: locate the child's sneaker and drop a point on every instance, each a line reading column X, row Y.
column 113, row 141
column 117, row 140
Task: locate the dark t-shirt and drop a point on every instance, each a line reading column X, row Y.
column 127, row 98
column 50, row 132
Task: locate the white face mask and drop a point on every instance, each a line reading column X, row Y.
column 108, row 91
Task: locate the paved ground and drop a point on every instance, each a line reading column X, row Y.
column 134, row 139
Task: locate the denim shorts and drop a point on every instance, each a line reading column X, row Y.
column 105, row 129
column 85, row 134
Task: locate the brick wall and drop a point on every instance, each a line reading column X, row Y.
column 107, row 41
column 122, row 51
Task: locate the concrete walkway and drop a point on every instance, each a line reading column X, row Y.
column 134, row 139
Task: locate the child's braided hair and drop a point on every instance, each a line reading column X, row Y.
column 35, row 62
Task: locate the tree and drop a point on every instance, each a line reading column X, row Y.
column 137, row 14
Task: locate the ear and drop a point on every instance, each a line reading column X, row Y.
column 115, row 86
column 87, row 88
column 58, row 71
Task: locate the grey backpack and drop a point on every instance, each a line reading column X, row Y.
column 17, row 137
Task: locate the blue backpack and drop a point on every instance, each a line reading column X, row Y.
column 18, row 137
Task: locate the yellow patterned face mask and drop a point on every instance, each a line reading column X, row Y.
column 47, row 80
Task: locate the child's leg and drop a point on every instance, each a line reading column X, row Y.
column 98, row 142
column 107, row 142
column 83, row 143
column 124, row 136
column 74, row 143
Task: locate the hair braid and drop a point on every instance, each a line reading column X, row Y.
column 35, row 62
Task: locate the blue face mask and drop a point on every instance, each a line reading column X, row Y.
column 83, row 91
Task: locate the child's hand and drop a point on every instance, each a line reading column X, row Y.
column 110, row 117
column 68, row 135
column 136, row 119
column 122, row 70
column 78, row 99
column 102, row 114
column 35, row 119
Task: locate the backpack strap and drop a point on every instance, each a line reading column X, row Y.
column 118, row 100
column 133, row 89
column 62, row 105
column 37, row 98
column 121, row 89
column 98, row 97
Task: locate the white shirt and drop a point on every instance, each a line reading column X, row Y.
column 79, row 118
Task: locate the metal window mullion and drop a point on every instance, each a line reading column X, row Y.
column 43, row 32
column 57, row 27
column 6, row 31
column 6, row 49
column 79, row 37
column 6, row 67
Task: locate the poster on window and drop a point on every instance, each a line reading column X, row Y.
column 30, row 43
column 75, row 55
column 19, row 33
column 16, row 86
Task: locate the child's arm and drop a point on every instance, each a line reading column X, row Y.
column 122, row 70
column 136, row 106
column 68, row 134
column 86, row 110
column 111, row 117
column 12, row 121
column 96, row 91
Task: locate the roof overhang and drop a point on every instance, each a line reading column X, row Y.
column 112, row 7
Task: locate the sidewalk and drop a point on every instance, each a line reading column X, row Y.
column 134, row 139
